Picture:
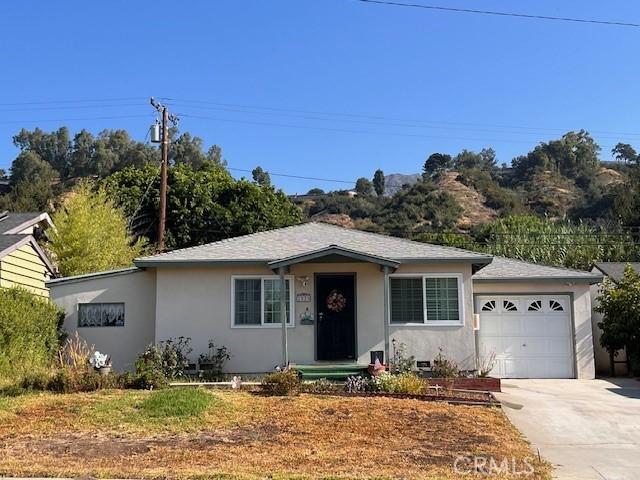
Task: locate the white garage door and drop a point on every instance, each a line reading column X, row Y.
column 529, row 335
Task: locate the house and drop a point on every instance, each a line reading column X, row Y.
column 347, row 295
column 614, row 271
column 23, row 263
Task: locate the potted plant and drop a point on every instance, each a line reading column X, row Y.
column 101, row 362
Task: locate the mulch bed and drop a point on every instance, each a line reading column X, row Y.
column 457, row 398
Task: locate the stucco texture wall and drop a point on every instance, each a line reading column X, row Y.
column 581, row 312
column 136, row 290
column 196, row 302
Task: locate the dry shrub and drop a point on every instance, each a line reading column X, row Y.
column 75, row 353
column 286, row 382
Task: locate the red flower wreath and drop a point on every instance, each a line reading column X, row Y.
column 336, row 301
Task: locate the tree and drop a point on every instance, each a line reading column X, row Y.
column 82, row 156
column 203, row 205
column 466, row 159
column 53, row 147
column 619, row 304
column 378, row 182
column 436, row 163
column 91, row 234
column 29, row 167
column 187, row 149
column 261, row 177
column 315, row 191
column 623, row 152
column 364, row 186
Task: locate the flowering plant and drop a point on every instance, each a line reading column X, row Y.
column 99, row 360
column 336, row 301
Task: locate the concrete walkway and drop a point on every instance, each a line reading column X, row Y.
column 588, row 429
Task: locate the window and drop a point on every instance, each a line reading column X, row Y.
column 406, row 300
column 509, row 306
column 256, row 301
column 535, row 306
column 101, row 315
column 426, row 299
column 489, row 306
column 556, row 306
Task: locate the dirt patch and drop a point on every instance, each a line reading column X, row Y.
column 474, row 211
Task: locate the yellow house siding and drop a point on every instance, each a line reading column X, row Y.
column 23, row 267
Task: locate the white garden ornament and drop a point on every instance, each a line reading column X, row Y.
column 99, row 360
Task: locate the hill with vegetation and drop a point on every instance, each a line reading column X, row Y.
column 560, row 189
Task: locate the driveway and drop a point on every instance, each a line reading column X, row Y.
column 588, row 429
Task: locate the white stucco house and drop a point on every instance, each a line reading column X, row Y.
column 346, row 295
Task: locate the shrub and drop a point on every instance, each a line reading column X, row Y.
column 286, row 382
column 407, row 382
column 28, row 332
column 321, row 385
column 214, row 360
column 148, row 378
column 176, row 403
column 37, row 380
column 410, row 383
column 169, row 358
column 444, row 367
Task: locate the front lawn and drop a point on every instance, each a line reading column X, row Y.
column 199, row 433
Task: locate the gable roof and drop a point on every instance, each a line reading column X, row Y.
column 12, row 223
column 307, row 239
column 615, row 270
column 509, row 269
column 10, row 243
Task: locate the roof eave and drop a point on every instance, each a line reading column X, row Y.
column 91, row 276
column 576, row 279
column 193, row 262
column 29, row 239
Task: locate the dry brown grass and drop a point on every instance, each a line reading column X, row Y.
column 247, row 436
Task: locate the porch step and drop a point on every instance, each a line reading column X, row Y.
column 330, row 371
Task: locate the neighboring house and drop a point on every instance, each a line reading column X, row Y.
column 23, row 263
column 614, row 271
column 347, row 296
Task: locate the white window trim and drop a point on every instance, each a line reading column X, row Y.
column 290, row 324
column 427, row 322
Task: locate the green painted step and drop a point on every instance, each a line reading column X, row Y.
column 330, row 371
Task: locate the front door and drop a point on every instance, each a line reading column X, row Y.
column 336, row 316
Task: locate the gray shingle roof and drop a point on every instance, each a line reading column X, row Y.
column 615, row 270
column 509, row 269
column 309, row 237
column 12, row 220
column 7, row 241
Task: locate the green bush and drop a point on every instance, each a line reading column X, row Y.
column 176, row 402
column 37, row 380
column 282, row 383
column 444, row 367
column 212, row 363
column 28, row 332
column 165, row 361
column 407, row 382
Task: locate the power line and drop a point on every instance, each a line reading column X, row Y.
column 113, row 117
column 384, row 118
column 365, row 132
column 51, row 102
column 502, row 14
column 296, row 176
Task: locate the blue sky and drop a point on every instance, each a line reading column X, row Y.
column 271, row 76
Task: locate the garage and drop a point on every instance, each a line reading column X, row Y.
column 530, row 335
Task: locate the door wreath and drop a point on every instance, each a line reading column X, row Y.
column 336, row 301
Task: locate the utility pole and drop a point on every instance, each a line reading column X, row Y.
column 164, row 151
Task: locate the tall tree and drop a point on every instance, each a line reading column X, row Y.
column 378, row 182
column 623, row 152
column 52, row 147
column 364, row 186
column 29, row 167
column 261, row 177
column 203, row 205
column 436, row 163
column 91, row 234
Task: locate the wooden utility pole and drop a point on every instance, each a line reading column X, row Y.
column 164, row 151
column 164, row 147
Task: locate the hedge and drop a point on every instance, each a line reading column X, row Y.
column 28, row 332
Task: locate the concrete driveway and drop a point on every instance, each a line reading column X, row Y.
column 588, row 429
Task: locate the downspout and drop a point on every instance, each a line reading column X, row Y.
column 387, row 359
column 283, row 317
